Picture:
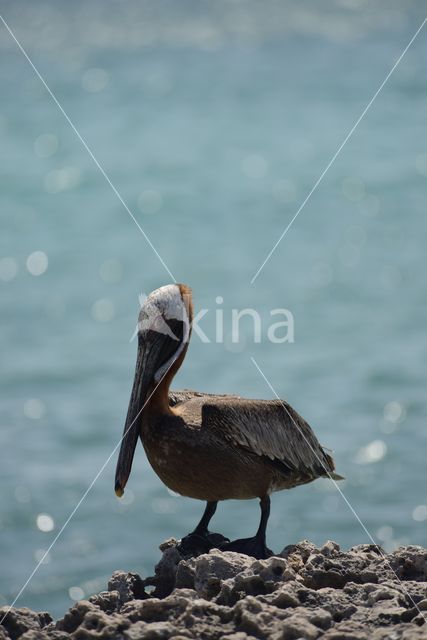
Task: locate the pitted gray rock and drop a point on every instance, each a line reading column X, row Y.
column 304, row 592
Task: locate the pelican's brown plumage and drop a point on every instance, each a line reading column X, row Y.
column 210, row 447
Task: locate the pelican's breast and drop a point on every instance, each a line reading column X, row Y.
column 192, row 461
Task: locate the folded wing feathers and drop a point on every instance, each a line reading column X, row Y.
column 183, row 395
column 272, row 429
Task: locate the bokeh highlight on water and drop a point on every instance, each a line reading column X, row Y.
column 213, row 120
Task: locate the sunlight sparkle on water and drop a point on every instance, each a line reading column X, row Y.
column 34, row 409
column 103, row 310
column 63, row 179
column 419, row 514
column 76, row 593
column 46, row 145
column 385, row 533
column 373, row 452
column 8, row 269
column 394, row 412
column 254, row 166
column 45, row 522
column 37, row 263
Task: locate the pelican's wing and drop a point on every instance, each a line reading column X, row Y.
column 183, row 395
column 271, row 429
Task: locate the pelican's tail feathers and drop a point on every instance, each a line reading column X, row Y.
column 335, row 476
column 331, row 472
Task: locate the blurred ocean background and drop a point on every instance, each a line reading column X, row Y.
column 213, row 120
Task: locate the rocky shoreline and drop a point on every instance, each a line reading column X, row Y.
column 305, row 592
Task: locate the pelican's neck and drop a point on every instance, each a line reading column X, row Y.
column 159, row 402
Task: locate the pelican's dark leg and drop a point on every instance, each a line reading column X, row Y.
column 255, row 546
column 202, row 527
column 201, row 540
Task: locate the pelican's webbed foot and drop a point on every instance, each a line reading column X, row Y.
column 254, row 547
column 196, row 544
column 201, row 540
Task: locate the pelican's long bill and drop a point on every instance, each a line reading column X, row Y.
column 139, row 394
column 157, row 351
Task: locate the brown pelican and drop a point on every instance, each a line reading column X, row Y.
column 205, row 446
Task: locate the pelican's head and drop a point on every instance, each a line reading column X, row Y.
column 164, row 327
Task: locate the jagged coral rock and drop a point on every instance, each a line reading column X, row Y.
column 164, row 579
column 304, row 592
column 75, row 616
column 108, row 601
column 99, row 625
column 129, row 586
column 206, row 573
column 16, row 622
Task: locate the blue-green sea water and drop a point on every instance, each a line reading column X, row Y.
column 213, row 120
